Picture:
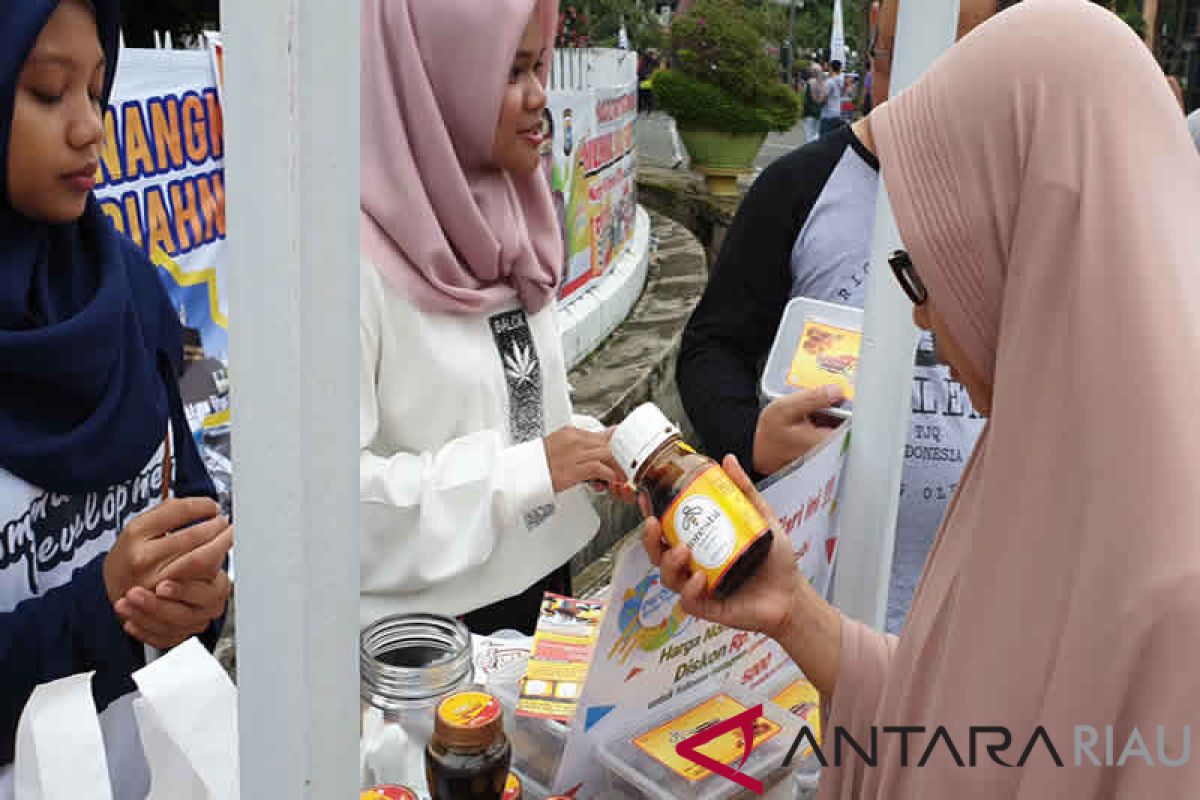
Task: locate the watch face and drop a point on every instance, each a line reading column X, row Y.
column 927, row 355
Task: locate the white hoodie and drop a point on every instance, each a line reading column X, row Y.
column 457, row 508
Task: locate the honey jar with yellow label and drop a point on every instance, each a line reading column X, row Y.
column 469, row 756
column 388, row 792
column 697, row 503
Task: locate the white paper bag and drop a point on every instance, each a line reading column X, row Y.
column 187, row 719
column 60, row 750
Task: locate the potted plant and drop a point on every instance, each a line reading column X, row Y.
column 723, row 90
column 573, row 28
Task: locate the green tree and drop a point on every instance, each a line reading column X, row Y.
column 1128, row 10
column 140, row 18
column 814, row 23
column 770, row 18
column 721, row 77
column 604, row 18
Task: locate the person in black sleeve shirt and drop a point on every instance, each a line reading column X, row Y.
column 805, row 230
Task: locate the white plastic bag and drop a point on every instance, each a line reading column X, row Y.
column 187, row 719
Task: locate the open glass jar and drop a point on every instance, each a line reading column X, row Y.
column 408, row 663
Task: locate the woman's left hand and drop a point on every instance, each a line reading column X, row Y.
column 175, row 611
column 620, row 492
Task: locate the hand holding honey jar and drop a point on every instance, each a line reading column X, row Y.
column 706, row 522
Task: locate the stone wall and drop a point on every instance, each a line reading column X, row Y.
column 682, row 197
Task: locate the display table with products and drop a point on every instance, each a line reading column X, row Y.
column 607, row 697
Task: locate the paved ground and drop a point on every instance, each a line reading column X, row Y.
column 654, row 143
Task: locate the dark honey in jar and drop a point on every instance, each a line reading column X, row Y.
column 697, row 503
column 469, row 755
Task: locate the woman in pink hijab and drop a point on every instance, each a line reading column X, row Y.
column 471, row 465
column 1051, row 647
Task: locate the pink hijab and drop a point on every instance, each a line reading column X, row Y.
column 1060, row 243
column 445, row 228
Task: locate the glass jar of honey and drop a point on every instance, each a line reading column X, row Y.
column 469, row 756
column 697, row 503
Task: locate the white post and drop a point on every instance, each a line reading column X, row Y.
column 292, row 93
column 883, row 399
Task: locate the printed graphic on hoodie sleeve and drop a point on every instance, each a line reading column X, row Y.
column 523, row 377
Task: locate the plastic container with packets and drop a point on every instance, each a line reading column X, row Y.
column 519, row 787
column 538, row 744
column 794, row 693
column 817, row 344
column 530, row 789
column 642, row 761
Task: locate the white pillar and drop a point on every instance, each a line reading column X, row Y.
column 883, row 398
column 292, row 122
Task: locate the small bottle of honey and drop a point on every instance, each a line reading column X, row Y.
column 697, row 503
column 469, row 756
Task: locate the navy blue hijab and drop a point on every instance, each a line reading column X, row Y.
column 90, row 346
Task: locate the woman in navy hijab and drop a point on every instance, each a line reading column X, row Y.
column 111, row 546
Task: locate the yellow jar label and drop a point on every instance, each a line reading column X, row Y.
column 512, row 788
column 715, row 520
column 469, row 709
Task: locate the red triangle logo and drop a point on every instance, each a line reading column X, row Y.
column 743, row 722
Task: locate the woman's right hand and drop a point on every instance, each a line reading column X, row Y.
column 181, row 539
column 577, row 456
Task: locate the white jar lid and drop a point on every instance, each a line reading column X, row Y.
column 639, row 435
